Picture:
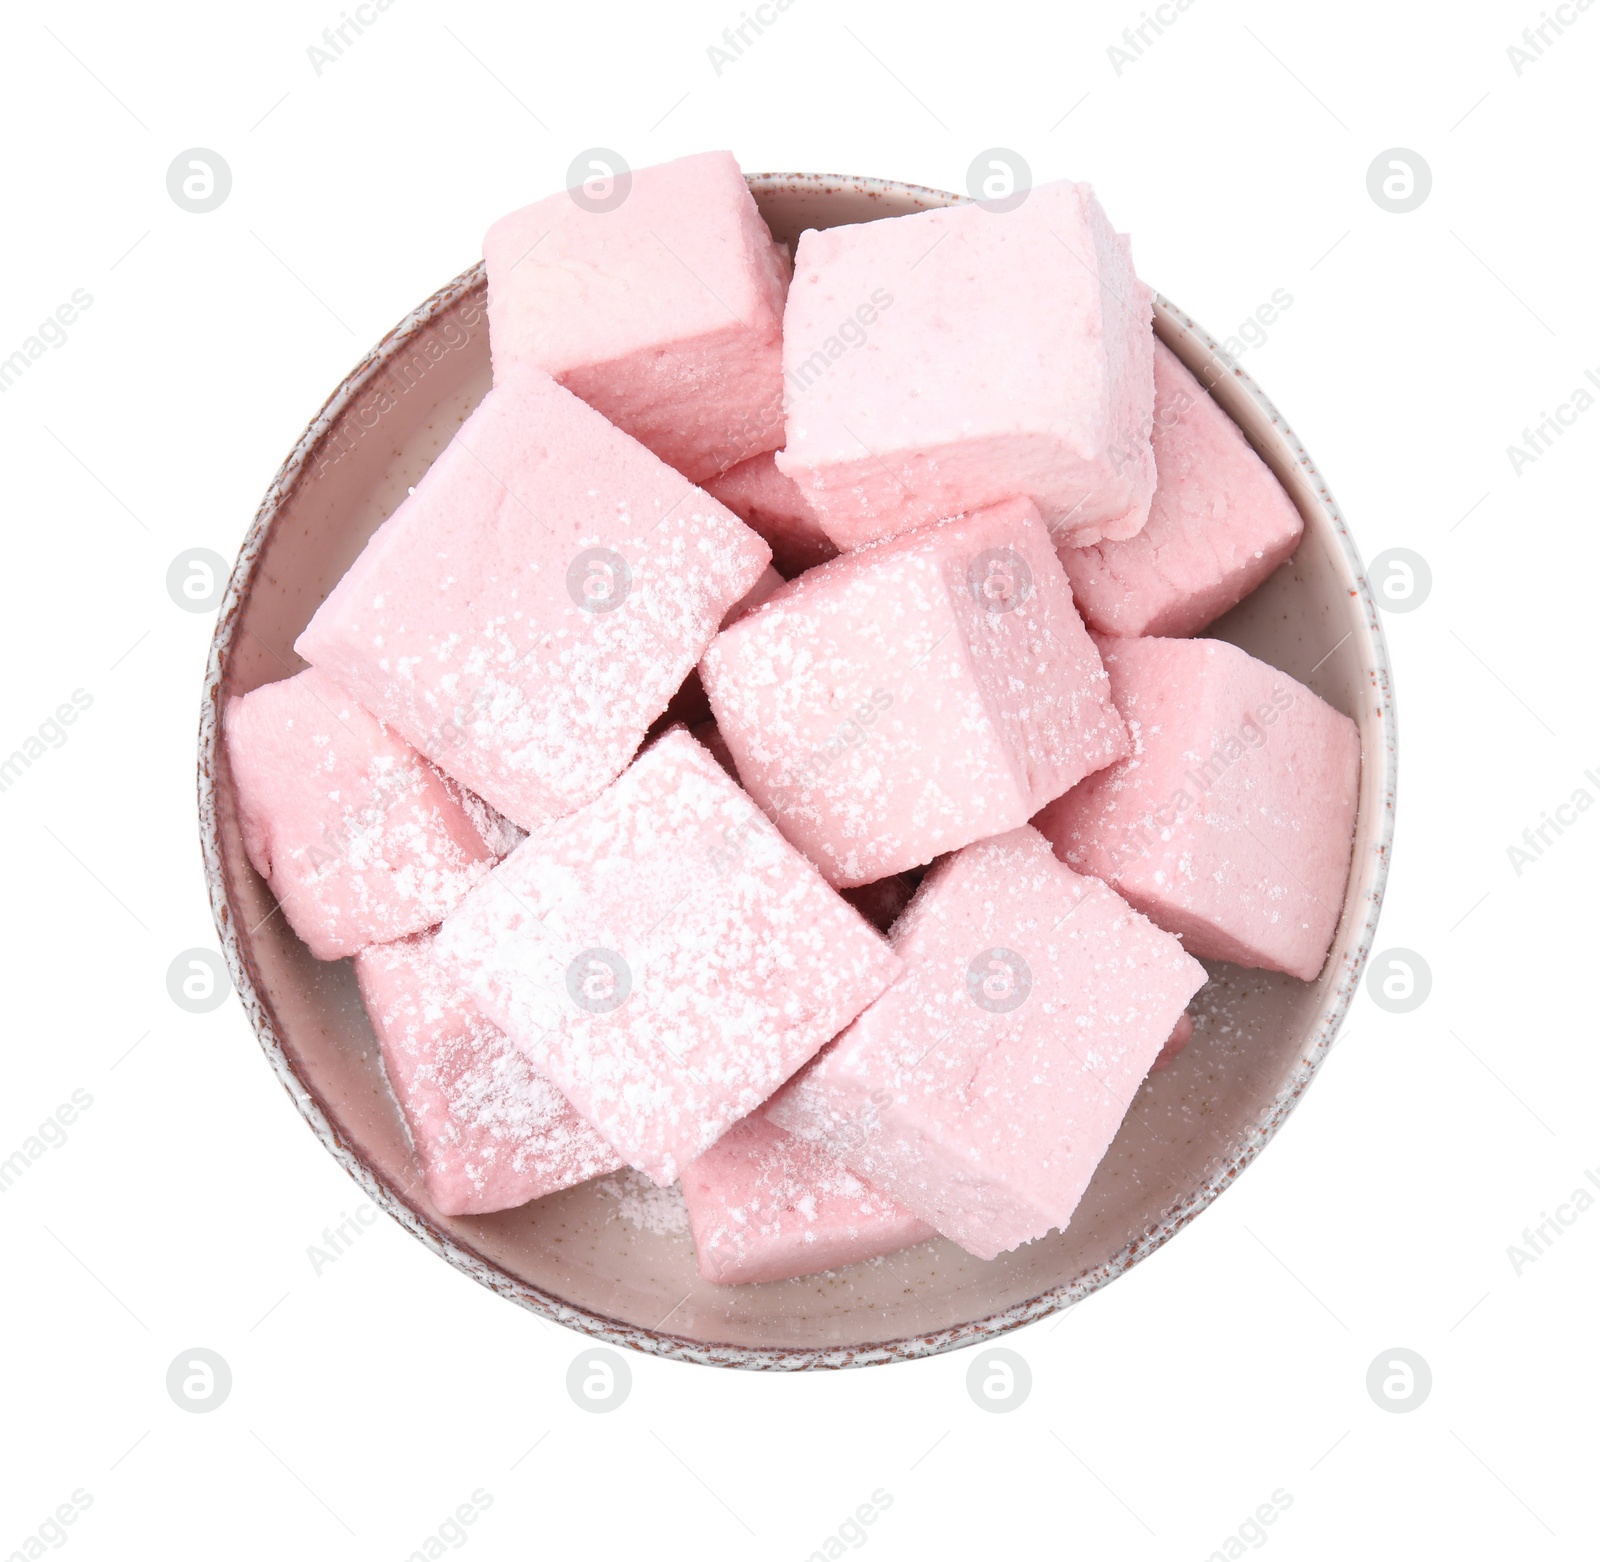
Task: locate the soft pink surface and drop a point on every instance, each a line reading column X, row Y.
column 361, row 840
column 461, row 625
column 764, row 1205
column 913, row 696
column 950, row 359
column 1220, row 523
column 740, row 961
column 665, row 314
column 775, row 505
column 488, row 1132
column 1231, row 822
column 980, row 1099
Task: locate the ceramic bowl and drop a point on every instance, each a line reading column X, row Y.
column 608, row 1258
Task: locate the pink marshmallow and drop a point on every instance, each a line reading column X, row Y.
column 665, row 956
column 764, row 1205
column 1230, row 823
column 776, row 507
column 944, row 361
column 664, row 311
column 914, row 696
column 528, row 611
column 488, row 1132
column 360, row 839
column 983, row 1088
column 1220, row 524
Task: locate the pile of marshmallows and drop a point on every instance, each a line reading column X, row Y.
column 611, row 813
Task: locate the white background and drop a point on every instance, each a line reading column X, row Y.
column 371, row 1399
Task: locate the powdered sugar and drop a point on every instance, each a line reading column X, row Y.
column 982, row 1090
column 488, row 1131
column 665, row 956
column 883, row 710
column 660, row 1211
column 361, row 840
column 527, row 612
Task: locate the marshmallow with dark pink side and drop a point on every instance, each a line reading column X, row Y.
column 1231, row 822
column 947, row 360
column 982, row 1090
column 488, row 1132
column 774, row 505
column 656, row 296
column 360, row 839
column 665, row 957
column 529, row 610
column 764, row 1205
column 915, row 695
column 1220, row 524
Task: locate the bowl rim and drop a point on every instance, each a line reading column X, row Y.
column 654, row 1341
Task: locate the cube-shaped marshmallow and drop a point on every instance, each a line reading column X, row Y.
column 528, row 611
column 489, row 1133
column 360, row 838
column 1230, row 823
column 656, row 296
column 665, row 956
column 914, row 696
column 1008, row 352
column 1220, row 523
column 983, row 1088
column 774, row 505
column 764, row 1205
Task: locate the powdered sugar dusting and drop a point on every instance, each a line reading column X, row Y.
column 498, row 833
column 528, row 611
column 665, row 956
column 660, row 1211
column 883, row 710
column 361, row 840
column 488, row 1131
column 983, row 1088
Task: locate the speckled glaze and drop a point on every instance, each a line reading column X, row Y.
column 574, row 1257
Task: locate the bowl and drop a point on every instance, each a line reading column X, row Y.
column 612, row 1258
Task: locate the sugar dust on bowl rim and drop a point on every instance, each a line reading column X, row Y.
column 608, row 1252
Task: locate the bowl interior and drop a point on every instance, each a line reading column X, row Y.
column 611, row 1257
